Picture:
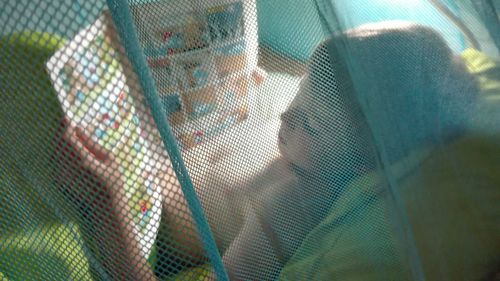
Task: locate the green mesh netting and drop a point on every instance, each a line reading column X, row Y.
column 250, row 140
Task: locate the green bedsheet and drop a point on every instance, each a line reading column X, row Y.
column 450, row 195
column 35, row 243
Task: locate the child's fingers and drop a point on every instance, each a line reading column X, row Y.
column 77, row 148
column 98, row 160
column 86, row 148
column 82, row 153
column 83, row 165
column 92, row 146
column 259, row 75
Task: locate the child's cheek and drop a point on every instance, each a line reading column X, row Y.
column 307, row 154
column 297, row 148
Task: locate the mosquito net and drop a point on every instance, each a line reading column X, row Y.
column 250, row 140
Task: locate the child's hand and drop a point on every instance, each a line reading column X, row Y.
column 90, row 178
column 259, row 75
column 86, row 165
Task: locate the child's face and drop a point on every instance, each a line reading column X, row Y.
column 314, row 131
column 297, row 132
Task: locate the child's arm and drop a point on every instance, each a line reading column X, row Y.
column 177, row 215
column 106, row 206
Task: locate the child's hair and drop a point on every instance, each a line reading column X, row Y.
column 403, row 76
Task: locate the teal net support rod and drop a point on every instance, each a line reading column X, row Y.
column 332, row 25
column 122, row 19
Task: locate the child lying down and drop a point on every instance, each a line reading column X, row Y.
column 316, row 188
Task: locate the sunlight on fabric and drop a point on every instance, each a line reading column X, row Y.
column 406, row 3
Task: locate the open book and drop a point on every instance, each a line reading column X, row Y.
column 95, row 87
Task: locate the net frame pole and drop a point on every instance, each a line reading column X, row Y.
column 122, row 18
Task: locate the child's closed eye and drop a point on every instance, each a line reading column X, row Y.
column 297, row 117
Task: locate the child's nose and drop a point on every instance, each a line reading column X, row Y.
column 289, row 119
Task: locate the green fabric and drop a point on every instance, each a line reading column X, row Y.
column 487, row 72
column 63, row 257
column 485, row 68
column 454, row 217
column 199, row 273
column 34, row 243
